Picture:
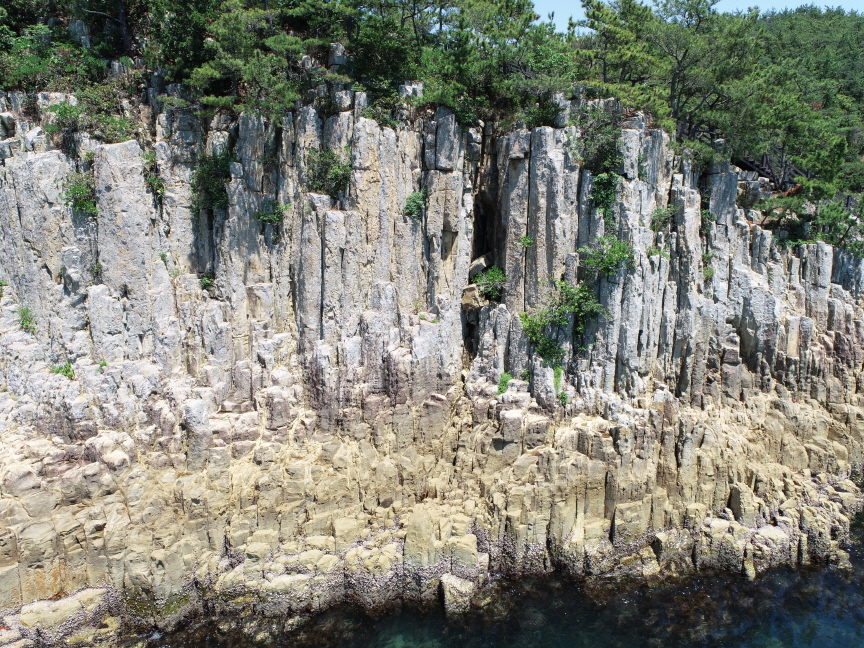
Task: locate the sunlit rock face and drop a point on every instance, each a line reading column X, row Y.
column 324, row 422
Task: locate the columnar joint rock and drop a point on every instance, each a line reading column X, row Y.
column 324, row 422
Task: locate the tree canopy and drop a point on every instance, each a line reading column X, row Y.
column 788, row 85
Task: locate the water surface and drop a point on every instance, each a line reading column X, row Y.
column 785, row 608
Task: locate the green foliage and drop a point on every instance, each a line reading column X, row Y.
column 558, row 373
column 26, row 319
column 164, row 257
column 208, row 182
column 151, row 174
column 42, row 59
column 96, row 270
column 491, row 282
column 326, row 173
column 708, row 273
column 526, row 242
column 68, row 117
column 383, row 110
column 504, row 382
column 563, row 302
column 103, row 364
column 597, row 148
column 64, row 370
column 700, row 155
column 562, row 398
column 706, row 221
column 273, row 213
column 115, row 128
column 607, row 256
column 603, row 191
column 207, row 281
column 3, row 284
column 597, row 144
column 543, row 113
column 661, row 219
column 248, row 66
column 80, row 193
column 655, row 251
column 415, row 204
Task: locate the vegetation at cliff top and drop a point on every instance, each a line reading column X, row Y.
column 787, row 84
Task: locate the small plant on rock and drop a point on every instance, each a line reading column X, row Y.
column 707, row 220
column 504, row 382
column 102, row 365
column 608, row 255
column 3, row 284
column 526, row 242
column 80, row 193
column 96, row 270
column 415, row 204
column 151, row 174
column 326, row 173
column 491, row 282
column 603, row 192
column 708, row 273
column 27, row 320
column 661, row 219
column 207, row 281
column 208, row 182
column 273, row 213
column 64, row 370
column 566, row 301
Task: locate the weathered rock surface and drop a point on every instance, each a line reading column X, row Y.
column 324, row 424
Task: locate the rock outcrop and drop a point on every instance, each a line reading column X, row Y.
column 323, row 422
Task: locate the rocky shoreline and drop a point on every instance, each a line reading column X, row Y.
column 273, row 418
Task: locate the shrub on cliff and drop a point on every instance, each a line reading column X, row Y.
column 80, row 193
column 272, row 213
column 415, row 204
column 562, row 303
column 64, row 369
column 491, row 282
column 208, row 182
column 504, row 382
column 26, row 319
column 607, row 256
column 326, row 173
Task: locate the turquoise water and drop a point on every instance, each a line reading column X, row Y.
column 786, row 608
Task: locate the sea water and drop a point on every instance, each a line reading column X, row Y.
column 814, row 607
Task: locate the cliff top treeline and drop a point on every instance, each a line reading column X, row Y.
column 788, row 84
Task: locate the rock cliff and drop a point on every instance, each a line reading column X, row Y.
column 323, row 422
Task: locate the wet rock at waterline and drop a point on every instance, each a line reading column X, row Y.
column 320, row 420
